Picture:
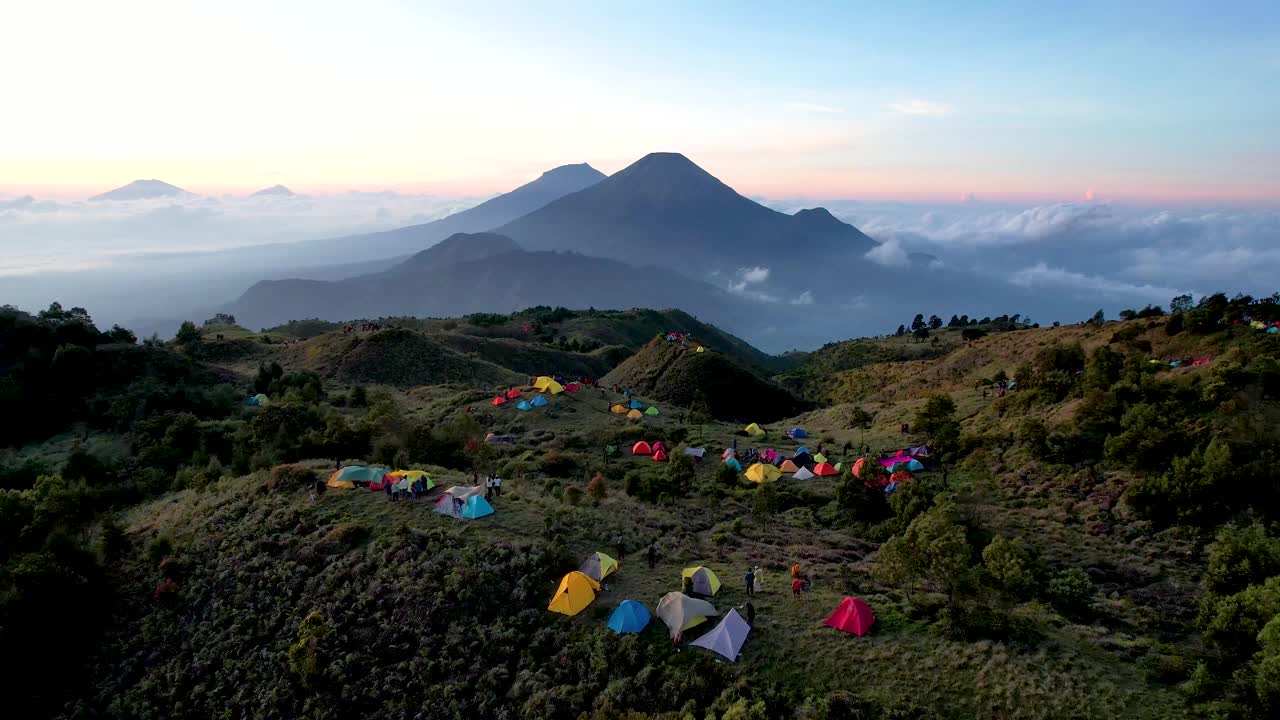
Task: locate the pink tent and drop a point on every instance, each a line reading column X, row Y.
column 852, row 616
column 890, row 462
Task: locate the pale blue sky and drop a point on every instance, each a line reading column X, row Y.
column 1165, row 102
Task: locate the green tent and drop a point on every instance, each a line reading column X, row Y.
column 651, row 411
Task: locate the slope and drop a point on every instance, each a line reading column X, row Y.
column 664, row 371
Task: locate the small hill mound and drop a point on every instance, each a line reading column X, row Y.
column 141, row 190
column 397, row 357
column 665, row 373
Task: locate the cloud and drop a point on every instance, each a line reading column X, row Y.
column 889, row 254
column 1042, row 276
column 1089, row 195
column 921, row 107
column 814, row 107
column 746, row 282
column 804, row 298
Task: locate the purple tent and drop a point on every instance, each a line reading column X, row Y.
column 890, row 462
column 727, row 637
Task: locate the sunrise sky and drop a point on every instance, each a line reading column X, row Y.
column 1166, row 102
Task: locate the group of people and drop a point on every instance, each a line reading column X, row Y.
column 492, row 487
column 405, row 489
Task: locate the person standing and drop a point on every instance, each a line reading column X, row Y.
column 497, row 486
column 617, row 543
column 653, row 555
column 758, row 580
column 751, row 614
column 796, row 585
column 750, row 580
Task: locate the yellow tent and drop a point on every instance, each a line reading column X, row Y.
column 701, row 349
column 337, row 482
column 762, row 472
column 788, row 466
column 618, row 409
column 598, row 566
column 553, row 387
column 754, row 429
column 703, row 580
column 542, row 382
column 819, row 458
column 575, row 593
column 635, row 414
column 415, row 475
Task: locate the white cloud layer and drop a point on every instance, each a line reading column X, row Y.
column 921, row 107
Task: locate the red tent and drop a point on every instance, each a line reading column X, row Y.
column 660, row 456
column 512, row 394
column 852, row 616
column 857, row 467
column 900, row 477
column 641, row 448
column 825, row 470
column 499, row 401
column 658, row 447
column 573, row 387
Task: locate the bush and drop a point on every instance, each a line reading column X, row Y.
column 1071, row 591
column 573, row 495
column 557, row 464
column 1175, row 325
column 159, row 549
column 286, row 477
column 596, row 488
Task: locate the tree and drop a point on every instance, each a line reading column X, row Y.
column 1175, row 324
column 902, row 330
column 1180, row 303
column 1098, row 317
column 935, row 322
column 932, row 550
column 921, row 334
column 970, row 334
column 953, row 322
column 861, row 420
column 1008, row 562
column 221, row 319
column 918, row 321
column 1128, row 314
column 119, row 334
column 188, row 334
column 1071, row 590
column 699, row 410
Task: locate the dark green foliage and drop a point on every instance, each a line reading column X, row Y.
column 1175, row 324
column 938, row 422
column 188, row 335
column 1071, row 591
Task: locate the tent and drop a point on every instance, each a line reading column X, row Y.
column 705, row 582
column 500, row 400
column 636, row 405
column 890, row 462
column 660, row 456
column 651, row 411
column 733, row 463
column 681, row 612
column 572, row 387
column 524, row 405
column 448, row 504
column 761, row 472
column 754, row 430
column 899, row 477
column 463, row 492
column 919, row 451
column 476, row 507
column 915, row 465
column 598, row 566
column 575, row 593
column 803, row 474
column 852, row 615
column 788, row 467
column 554, row 388
column 819, row 458
column 727, row 637
column 802, row 459
column 539, row 401
column 261, row 398
column 629, row 617
column 839, row 467
column 857, row 466
column 824, row 469
column 801, row 450
column 728, row 453
column 542, row 383
column 617, row 409
column 414, row 476
column 512, row 394
column 347, row 477
column 634, row 414
column 641, row 448
column 658, row 446
column 700, row 349
column 695, row 452
column 1273, row 330
column 797, row 433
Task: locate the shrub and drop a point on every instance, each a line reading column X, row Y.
column 285, row 477
column 596, row 488
column 558, row 464
column 573, row 495
column 1071, row 591
column 1175, row 325
column 159, row 549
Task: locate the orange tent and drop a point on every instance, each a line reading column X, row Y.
column 900, row 476
column 499, row 401
column 641, row 448
column 825, row 470
column 788, row 466
column 660, row 456
column 857, row 467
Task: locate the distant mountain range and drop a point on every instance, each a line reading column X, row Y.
column 273, row 191
column 142, row 190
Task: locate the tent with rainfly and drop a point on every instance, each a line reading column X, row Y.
column 476, row 507
column 636, row 405
column 754, row 430
column 819, row 458
column 797, row 433
column 727, row 637
column 634, row 414
column 651, row 411
column 524, row 405
column 575, row 593
column 512, row 394
column 414, row 476
column 642, row 448
column 618, row 409
column 498, row 401
column 348, row 476
column 629, row 617
column 733, row 463
column 659, row 455
column 852, row 615
column 572, row 387
column 659, row 447
column 695, row 452
column 803, row 474
column 824, row 469
column 680, row 612
column 704, row 582
column 598, row 566
column 788, row 466
column 761, row 472
column 728, row 453
column 554, row 388
column 542, row 383
column 802, row 459
column 540, row 401
column 450, row 505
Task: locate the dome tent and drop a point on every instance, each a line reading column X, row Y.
column 575, row 593
column 629, row 617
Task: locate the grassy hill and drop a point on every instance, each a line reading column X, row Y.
column 1079, row 547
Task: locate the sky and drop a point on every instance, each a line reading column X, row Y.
column 1158, row 103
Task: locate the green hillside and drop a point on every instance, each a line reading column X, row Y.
column 1097, row 541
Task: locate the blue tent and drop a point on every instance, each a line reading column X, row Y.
column 733, row 463
column 476, row 507
column 915, row 466
column 637, row 405
column 524, row 405
column 801, row 449
column 799, row 433
column 629, row 617
column 540, row 401
column 1273, row 330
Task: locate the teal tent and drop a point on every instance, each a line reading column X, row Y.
column 540, row 401
column 476, row 507
column 629, row 617
column 524, row 405
column 733, row 463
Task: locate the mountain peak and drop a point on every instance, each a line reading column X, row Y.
column 280, row 190
column 574, row 170
column 142, row 190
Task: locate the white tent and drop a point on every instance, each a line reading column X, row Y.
column 695, row 452
column 681, row 612
column 803, row 474
column 727, row 637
